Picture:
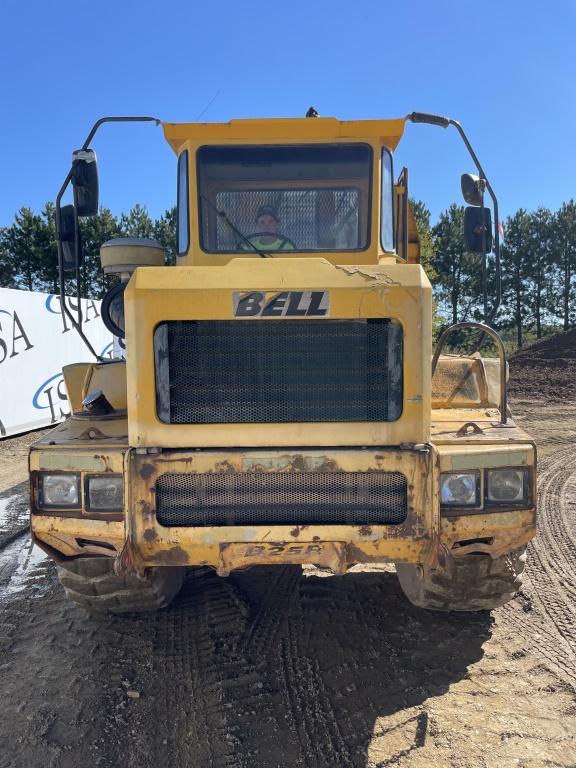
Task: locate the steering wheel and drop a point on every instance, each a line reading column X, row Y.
column 277, row 235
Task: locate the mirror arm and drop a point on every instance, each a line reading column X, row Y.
column 488, row 319
column 65, row 311
column 77, row 324
column 103, row 120
column 444, row 122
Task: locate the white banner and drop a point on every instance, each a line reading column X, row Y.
column 36, row 340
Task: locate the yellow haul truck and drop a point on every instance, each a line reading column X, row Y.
column 280, row 401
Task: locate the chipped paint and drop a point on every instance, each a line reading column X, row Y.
column 381, row 279
column 288, row 463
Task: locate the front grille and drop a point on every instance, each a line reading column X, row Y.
column 270, row 498
column 243, row 371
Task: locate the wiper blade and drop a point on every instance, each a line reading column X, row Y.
column 224, row 216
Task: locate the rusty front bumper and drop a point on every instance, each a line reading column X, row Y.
column 141, row 540
column 231, row 546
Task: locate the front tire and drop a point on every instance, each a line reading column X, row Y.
column 92, row 583
column 471, row 583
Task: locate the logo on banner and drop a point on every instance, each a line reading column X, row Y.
column 51, row 394
column 13, row 338
column 88, row 306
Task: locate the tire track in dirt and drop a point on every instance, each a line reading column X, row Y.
column 308, row 701
column 552, row 564
column 556, row 546
column 272, row 613
column 550, row 585
column 193, row 720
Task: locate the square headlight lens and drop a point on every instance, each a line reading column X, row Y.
column 459, row 489
column 106, row 493
column 507, row 485
column 60, row 490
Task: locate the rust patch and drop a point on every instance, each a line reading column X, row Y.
column 174, row 556
column 105, row 459
column 298, row 464
column 315, row 538
column 295, row 532
column 328, row 465
column 150, row 534
column 146, row 509
column 224, row 466
column 365, row 530
column 356, row 555
column 146, row 471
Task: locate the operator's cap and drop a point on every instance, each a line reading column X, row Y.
column 267, row 210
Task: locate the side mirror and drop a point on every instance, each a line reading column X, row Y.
column 65, row 231
column 472, row 188
column 473, row 226
column 85, row 181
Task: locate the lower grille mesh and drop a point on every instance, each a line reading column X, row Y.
column 266, row 498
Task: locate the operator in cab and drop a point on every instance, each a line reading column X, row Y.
column 268, row 236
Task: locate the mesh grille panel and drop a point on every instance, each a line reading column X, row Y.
column 312, row 219
column 278, row 371
column 265, row 498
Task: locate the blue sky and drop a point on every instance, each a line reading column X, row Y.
column 505, row 69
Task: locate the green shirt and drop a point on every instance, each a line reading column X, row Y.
column 275, row 245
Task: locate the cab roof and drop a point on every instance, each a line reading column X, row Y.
column 389, row 132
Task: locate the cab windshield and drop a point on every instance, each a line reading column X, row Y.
column 284, row 198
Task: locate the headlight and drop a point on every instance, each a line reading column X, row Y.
column 507, row 485
column 106, row 493
column 60, row 490
column 459, row 489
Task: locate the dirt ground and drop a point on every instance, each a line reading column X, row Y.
column 546, row 368
column 273, row 668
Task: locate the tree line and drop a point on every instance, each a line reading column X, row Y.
column 538, row 261
column 538, row 266
column 28, row 250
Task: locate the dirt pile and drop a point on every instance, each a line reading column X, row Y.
column 545, row 369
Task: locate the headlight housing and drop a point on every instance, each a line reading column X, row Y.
column 460, row 489
column 60, row 490
column 105, row 493
column 507, row 486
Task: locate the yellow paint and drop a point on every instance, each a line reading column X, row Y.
column 398, row 291
column 361, row 284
